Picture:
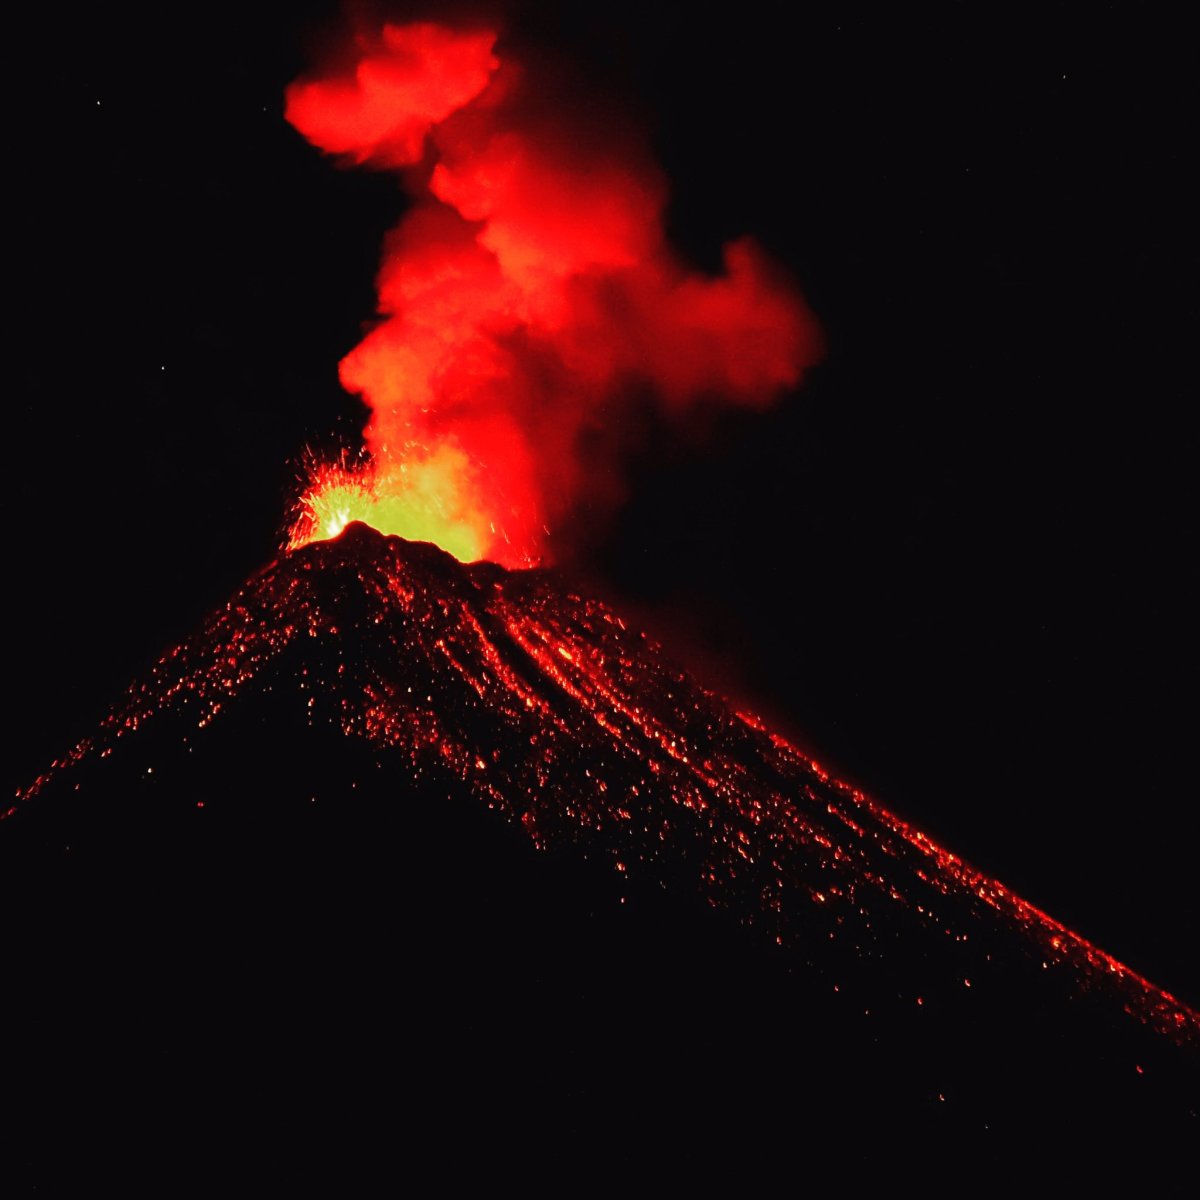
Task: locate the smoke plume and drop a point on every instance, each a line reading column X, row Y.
column 528, row 299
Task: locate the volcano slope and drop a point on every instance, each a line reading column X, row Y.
column 440, row 853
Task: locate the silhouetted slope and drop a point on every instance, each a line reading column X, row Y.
column 301, row 865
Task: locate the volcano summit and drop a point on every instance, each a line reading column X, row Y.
column 330, row 804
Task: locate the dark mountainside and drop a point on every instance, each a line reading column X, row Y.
column 406, row 855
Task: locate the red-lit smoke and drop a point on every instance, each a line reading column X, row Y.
column 524, row 298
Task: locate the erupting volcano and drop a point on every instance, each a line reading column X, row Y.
column 414, row 817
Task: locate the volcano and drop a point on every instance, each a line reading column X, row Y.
column 389, row 821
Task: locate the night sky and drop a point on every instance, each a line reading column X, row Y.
column 958, row 564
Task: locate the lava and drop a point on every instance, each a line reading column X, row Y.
column 426, row 495
column 547, row 708
column 527, row 301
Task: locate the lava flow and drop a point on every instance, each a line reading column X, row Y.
column 528, row 300
column 503, row 688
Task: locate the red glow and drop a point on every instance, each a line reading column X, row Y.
column 412, row 77
column 547, row 708
column 526, row 296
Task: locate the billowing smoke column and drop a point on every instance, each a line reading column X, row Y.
column 525, row 299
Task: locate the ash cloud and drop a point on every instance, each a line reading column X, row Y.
column 528, row 298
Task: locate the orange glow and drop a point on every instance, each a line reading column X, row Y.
column 548, row 709
column 424, row 498
column 527, row 301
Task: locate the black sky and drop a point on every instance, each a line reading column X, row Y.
column 959, row 563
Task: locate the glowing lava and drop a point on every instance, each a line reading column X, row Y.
column 528, row 301
column 544, row 706
column 426, row 497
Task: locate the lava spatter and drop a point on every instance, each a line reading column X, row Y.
column 545, row 706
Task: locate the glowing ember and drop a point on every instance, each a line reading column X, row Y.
column 524, row 299
column 424, row 498
column 547, row 708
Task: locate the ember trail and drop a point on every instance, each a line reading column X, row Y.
column 545, row 707
column 526, row 296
